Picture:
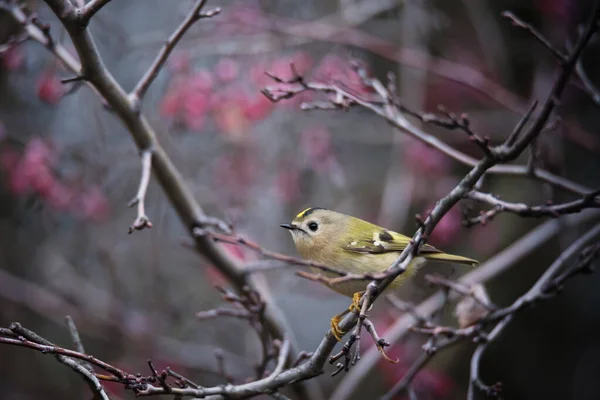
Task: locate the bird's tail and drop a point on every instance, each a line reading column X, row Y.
column 450, row 258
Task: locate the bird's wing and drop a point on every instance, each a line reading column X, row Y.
column 384, row 241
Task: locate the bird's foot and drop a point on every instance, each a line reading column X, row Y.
column 335, row 327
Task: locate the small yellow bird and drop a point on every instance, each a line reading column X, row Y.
column 356, row 246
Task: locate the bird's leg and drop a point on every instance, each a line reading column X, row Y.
column 355, row 306
column 335, row 328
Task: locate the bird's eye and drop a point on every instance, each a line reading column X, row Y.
column 313, row 226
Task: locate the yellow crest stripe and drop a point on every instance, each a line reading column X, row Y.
column 301, row 213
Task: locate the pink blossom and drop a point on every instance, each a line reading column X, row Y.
column 18, row 181
column 257, row 108
column 425, row 159
column 50, row 89
column 12, row 58
column 316, row 144
column 41, row 179
column 227, row 70
column 447, row 229
column 201, row 80
column 179, row 62
column 60, row 197
column 93, row 205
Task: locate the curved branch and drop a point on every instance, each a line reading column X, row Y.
column 91, row 8
column 169, row 177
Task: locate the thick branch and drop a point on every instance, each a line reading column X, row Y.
column 169, row 177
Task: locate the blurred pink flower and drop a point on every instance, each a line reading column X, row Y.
column 258, row 75
column 12, row 58
column 195, row 108
column 227, row 70
column 425, row 159
column 316, row 143
column 258, row 107
column 60, row 197
column 50, row 89
column 41, row 179
column 335, row 70
column 18, row 181
column 180, row 62
column 39, row 151
column 92, row 205
column 201, row 80
column 229, row 114
column 447, row 229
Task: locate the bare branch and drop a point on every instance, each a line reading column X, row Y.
column 29, row 339
column 340, row 276
column 76, row 340
column 548, row 283
column 144, row 136
column 91, row 8
column 142, row 221
column 194, row 15
column 461, row 289
column 394, row 115
column 589, row 200
column 562, row 58
column 462, row 122
column 509, row 153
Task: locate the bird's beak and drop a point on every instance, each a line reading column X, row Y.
column 289, row 226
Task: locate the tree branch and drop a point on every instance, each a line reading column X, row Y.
column 395, row 117
column 169, row 177
column 562, row 58
column 193, row 16
column 142, row 221
column 589, row 200
column 91, row 8
column 546, row 283
column 29, row 339
column 493, row 267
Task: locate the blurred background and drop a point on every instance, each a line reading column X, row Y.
column 68, row 168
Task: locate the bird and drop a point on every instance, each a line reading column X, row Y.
column 353, row 245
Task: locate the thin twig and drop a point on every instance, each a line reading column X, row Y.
column 29, row 339
column 536, row 34
column 285, row 260
column 194, row 15
column 142, row 221
column 77, row 340
column 589, row 200
column 394, row 116
column 538, row 291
